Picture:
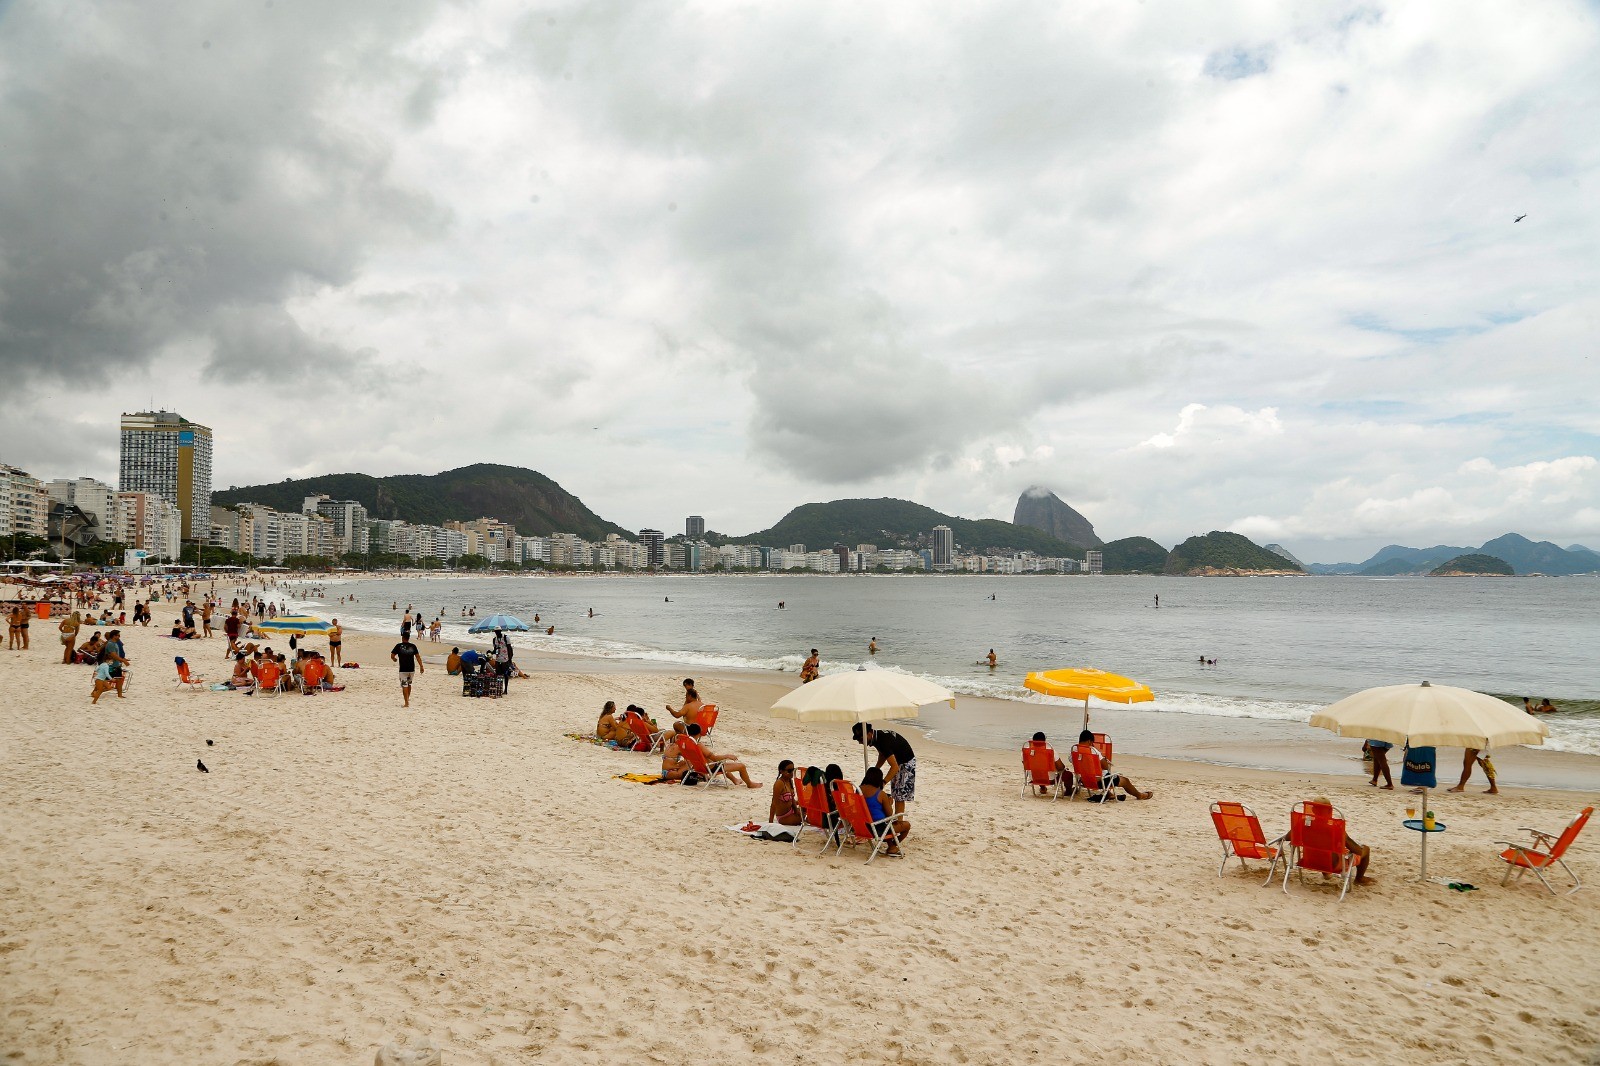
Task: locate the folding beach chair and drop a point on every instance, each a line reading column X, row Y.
column 695, row 756
column 706, row 719
column 1103, row 742
column 653, row 741
column 814, row 810
column 1240, row 832
column 1316, row 843
column 1089, row 775
column 856, row 825
column 184, row 676
column 1039, row 774
column 1521, row 858
column 268, row 682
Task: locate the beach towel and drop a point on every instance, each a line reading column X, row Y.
column 587, row 738
column 643, row 779
column 767, row 831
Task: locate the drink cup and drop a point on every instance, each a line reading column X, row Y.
column 1411, row 812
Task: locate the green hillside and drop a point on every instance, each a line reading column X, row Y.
column 525, row 498
column 1399, row 567
column 1476, row 563
column 1224, row 551
column 1134, row 555
column 900, row 523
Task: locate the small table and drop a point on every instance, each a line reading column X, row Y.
column 1415, row 825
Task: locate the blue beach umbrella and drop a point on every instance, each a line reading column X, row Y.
column 293, row 623
column 499, row 621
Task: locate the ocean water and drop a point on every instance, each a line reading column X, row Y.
column 1285, row 647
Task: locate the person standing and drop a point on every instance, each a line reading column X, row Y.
column 335, row 643
column 205, row 617
column 895, row 750
column 811, row 669
column 872, row 646
column 500, row 649
column 1474, row 755
column 1380, row 762
column 409, row 659
column 69, row 635
column 405, row 629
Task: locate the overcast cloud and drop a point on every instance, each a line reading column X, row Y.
column 1233, row 265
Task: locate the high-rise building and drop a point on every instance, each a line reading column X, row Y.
column 694, row 526
column 654, row 545
column 944, row 546
column 351, row 529
column 24, row 504
column 167, row 455
column 1094, row 562
column 151, row 523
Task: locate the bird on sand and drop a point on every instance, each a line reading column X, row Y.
column 198, row 765
column 208, row 743
column 1519, row 218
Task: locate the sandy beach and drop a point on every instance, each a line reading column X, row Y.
column 351, row 873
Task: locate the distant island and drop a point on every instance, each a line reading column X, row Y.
column 1474, row 565
column 1524, row 556
column 1222, row 554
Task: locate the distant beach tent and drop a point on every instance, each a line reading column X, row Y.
column 500, row 621
column 860, row 696
column 1082, row 682
column 293, row 623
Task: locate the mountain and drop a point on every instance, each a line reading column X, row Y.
column 1433, row 556
column 1279, row 549
column 1134, row 555
column 1044, row 510
column 1473, row 565
column 1579, row 548
column 1218, row 551
column 525, row 498
column 887, row 522
column 1541, row 557
column 1398, row 567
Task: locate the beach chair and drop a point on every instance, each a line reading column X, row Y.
column 1088, row 774
column 695, row 756
column 1521, row 858
column 814, row 809
column 1103, row 742
column 653, row 741
column 1316, row 842
column 1039, row 774
column 268, row 682
column 856, row 825
column 706, row 719
column 1240, row 832
column 184, row 676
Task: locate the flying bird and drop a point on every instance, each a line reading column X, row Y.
column 198, row 765
column 1519, row 218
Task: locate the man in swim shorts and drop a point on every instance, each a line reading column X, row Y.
column 410, row 659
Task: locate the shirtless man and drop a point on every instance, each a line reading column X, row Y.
column 992, row 660
column 731, row 766
column 691, row 701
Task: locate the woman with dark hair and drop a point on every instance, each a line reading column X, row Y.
column 872, row 791
column 783, row 809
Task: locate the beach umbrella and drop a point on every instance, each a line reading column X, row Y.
column 293, row 623
column 1429, row 716
column 860, row 696
column 499, row 621
column 1082, row 682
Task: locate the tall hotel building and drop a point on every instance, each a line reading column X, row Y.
column 166, row 455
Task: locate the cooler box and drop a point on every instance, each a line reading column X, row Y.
column 42, row 609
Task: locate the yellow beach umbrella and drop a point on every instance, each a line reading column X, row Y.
column 1080, row 683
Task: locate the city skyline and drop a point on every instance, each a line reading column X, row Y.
column 1319, row 274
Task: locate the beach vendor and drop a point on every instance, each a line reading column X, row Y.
column 895, row 751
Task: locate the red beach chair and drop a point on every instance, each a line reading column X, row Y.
column 184, row 676
column 690, row 749
column 706, row 719
column 1521, row 858
column 652, row 742
column 1317, row 843
column 814, row 809
column 1039, row 774
column 856, row 825
column 1240, row 832
column 1103, row 742
column 1088, row 774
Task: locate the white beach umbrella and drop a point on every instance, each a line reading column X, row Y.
column 1431, row 716
column 1428, row 716
column 860, row 696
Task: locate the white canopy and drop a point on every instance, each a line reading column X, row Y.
column 1431, row 716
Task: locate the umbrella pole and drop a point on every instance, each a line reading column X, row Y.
column 1424, row 814
column 1086, row 712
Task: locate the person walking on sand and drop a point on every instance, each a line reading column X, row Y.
column 1474, row 755
column 409, row 658
column 335, row 643
column 1380, row 762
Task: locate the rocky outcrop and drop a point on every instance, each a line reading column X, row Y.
column 1043, row 510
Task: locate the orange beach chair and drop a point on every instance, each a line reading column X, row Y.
column 1039, row 774
column 653, row 742
column 706, row 719
column 1240, row 832
column 1316, row 843
column 1521, row 858
column 813, row 803
column 856, row 825
column 184, row 676
column 1089, row 775
column 709, row 772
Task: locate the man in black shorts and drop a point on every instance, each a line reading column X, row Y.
column 893, row 749
column 410, row 659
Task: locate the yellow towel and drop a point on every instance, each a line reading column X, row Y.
column 643, row 779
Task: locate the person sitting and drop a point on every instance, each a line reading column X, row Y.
column 241, row 672
column 452, row 663
column 872, row 791
column 1061, row 767
column 89, row 653
column 612, row 729
column 1363, row 853
column 784, row 809
column 177, row 630
column 1109, row 779
column 313, row 673
column 269, row 673
column 673, row 765
column 811, row 669
column 691, row 702
column 731, row 766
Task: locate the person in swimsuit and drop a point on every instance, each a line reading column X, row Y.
column 811, row 669
column 783, row 809
column 691, row 702
column 731, row 766
column 1475, row 756
column 14, row 628
column 993, row 662
column 335, row 643
column 872, row 791
column 69, row 635
column 1380, row 762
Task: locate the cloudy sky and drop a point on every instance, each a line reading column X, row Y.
column 1236, row 265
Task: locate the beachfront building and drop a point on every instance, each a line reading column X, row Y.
column 24, row 504
column 95, row 499
column 694, row 527
column 655, row 547
column 533, row 549
column 1093, row 562
column 349, row 517
column 944, row 548
column 149, row 522
column 166, row 454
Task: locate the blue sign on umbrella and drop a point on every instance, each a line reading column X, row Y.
column 499, row 621
column 1418, row 769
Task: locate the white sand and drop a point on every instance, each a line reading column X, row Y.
column 350, row 872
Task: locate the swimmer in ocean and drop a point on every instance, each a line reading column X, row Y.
column 872, row 646
column 993, row 661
